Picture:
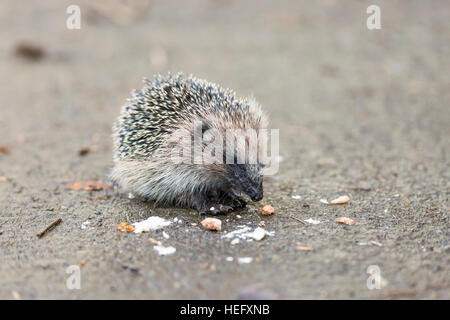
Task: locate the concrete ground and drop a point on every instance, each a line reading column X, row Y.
column 363, row 113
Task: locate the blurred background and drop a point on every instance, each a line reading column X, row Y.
column 356, row 108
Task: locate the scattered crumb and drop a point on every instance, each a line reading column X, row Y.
column 85, row 224
column 344, row 220
column 164, row 251
column 29, row 51
column 296, row 197
column 150, row 224
column 245, row 260
column 305, row 248
column 229, row 259
column 312, row 221
column 244, row 234
column 130, row 196
column 238, row 232
column 376, row 243
column 122, row 226
column 235, row 241
column 340, row 200
column 238, row 216
column 84, row 151
column 267, row 210
column 165, row 235
column 212, row 224
column 261, row 224
column 259, row 234
column 154, row 241
column 91, row 185
column 325, row 201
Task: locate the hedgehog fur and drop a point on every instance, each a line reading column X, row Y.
column 149, row 124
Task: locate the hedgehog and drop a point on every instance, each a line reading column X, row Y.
column 167, row 115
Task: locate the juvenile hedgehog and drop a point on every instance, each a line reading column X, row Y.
column 159, row 116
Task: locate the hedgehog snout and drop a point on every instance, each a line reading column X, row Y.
column 255, row 192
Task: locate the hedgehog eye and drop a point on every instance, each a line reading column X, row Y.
column 205, row 127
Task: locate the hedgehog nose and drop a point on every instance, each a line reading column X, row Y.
column 258, row 196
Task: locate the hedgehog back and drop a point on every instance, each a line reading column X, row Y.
column 162, row 105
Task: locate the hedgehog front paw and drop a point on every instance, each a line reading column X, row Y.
column 213, row 209
column 238, row 203
column 220, row 209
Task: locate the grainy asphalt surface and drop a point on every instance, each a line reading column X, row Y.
column 363, row 113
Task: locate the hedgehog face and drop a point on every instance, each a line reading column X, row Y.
column 247, row 178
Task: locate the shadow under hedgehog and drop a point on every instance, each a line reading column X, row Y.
column 148, row 130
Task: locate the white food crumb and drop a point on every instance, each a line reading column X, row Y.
column 152, row 223
column 244, row 234
column 245, row 260
column 259, row 234
column 312, row 221
column 229, row 259
column 85, row 224
column 235, row 241
column 165, row 235
column 296, row 197
column 324, row 201
column 165, row 251
column 237, row 232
